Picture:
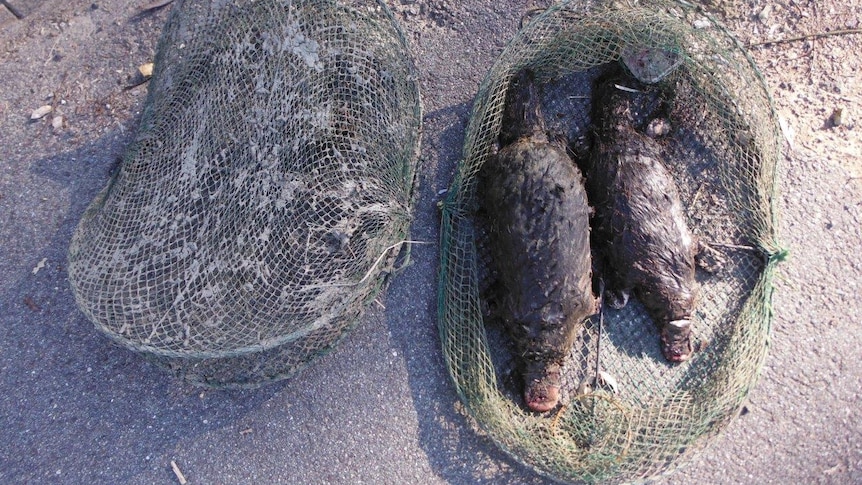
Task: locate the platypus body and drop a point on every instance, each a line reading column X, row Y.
column 538, row 217
column 639, row 225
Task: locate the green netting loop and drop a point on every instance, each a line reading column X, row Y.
column 722, row 150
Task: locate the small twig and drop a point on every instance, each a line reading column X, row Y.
column 557, row 417
column 601, row 323
column 178, row 473
column 528, row 16
column 51, row 52
column 696, row 195
column 377, row 300
column 380, row 258
column 627, row 89
column 154, row 5
column 732, row 246
column 370, row 270
column 806, row 37
column 599, row 340
column 137, row 82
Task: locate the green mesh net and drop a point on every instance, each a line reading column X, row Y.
column 266, row 194
column 642, row 416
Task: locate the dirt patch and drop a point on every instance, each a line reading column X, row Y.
column 814, row 71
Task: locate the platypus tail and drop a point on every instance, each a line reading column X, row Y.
column 522, row 115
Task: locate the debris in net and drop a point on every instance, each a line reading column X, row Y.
column 701, row 23
column 557, row 416
column 609, row 381
column 585, row 386
column 626, row 89
column 709, row 259
column 658, row 128
column 57, row 122
column 246, row 431
column 650, row 65
column 733, row 246
column 178, row 473
column 40, row 112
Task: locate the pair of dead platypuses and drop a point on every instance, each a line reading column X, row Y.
column 541, row 227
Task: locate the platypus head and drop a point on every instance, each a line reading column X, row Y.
column 676, row 340
column 522, row 115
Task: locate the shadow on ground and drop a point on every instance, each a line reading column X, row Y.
column 446, row 434
column 73, row 399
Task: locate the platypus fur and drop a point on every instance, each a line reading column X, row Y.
column 538, row 218
column 639, row 225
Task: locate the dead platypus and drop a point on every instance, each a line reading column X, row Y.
column 538, row 219
column 639, row 225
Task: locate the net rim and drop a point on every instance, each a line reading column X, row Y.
column 455, row 209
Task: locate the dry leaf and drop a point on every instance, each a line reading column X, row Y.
column 585, row 387
column 146, row 70
column 836, row 118
column 609, row 380
column 31, row 304
column 40, row 265
column 788, row 131
column 40, row 112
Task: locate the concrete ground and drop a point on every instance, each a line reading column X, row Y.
column 380, row 409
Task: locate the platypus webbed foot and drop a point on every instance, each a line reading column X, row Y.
column 676, row 341
column 542, row 386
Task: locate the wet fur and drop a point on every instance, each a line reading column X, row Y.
column 639, row 225
column 538, row 214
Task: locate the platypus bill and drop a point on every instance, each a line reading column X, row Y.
column 538, row 216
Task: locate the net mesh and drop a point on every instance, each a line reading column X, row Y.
column 266, row 194
column 644, row 417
